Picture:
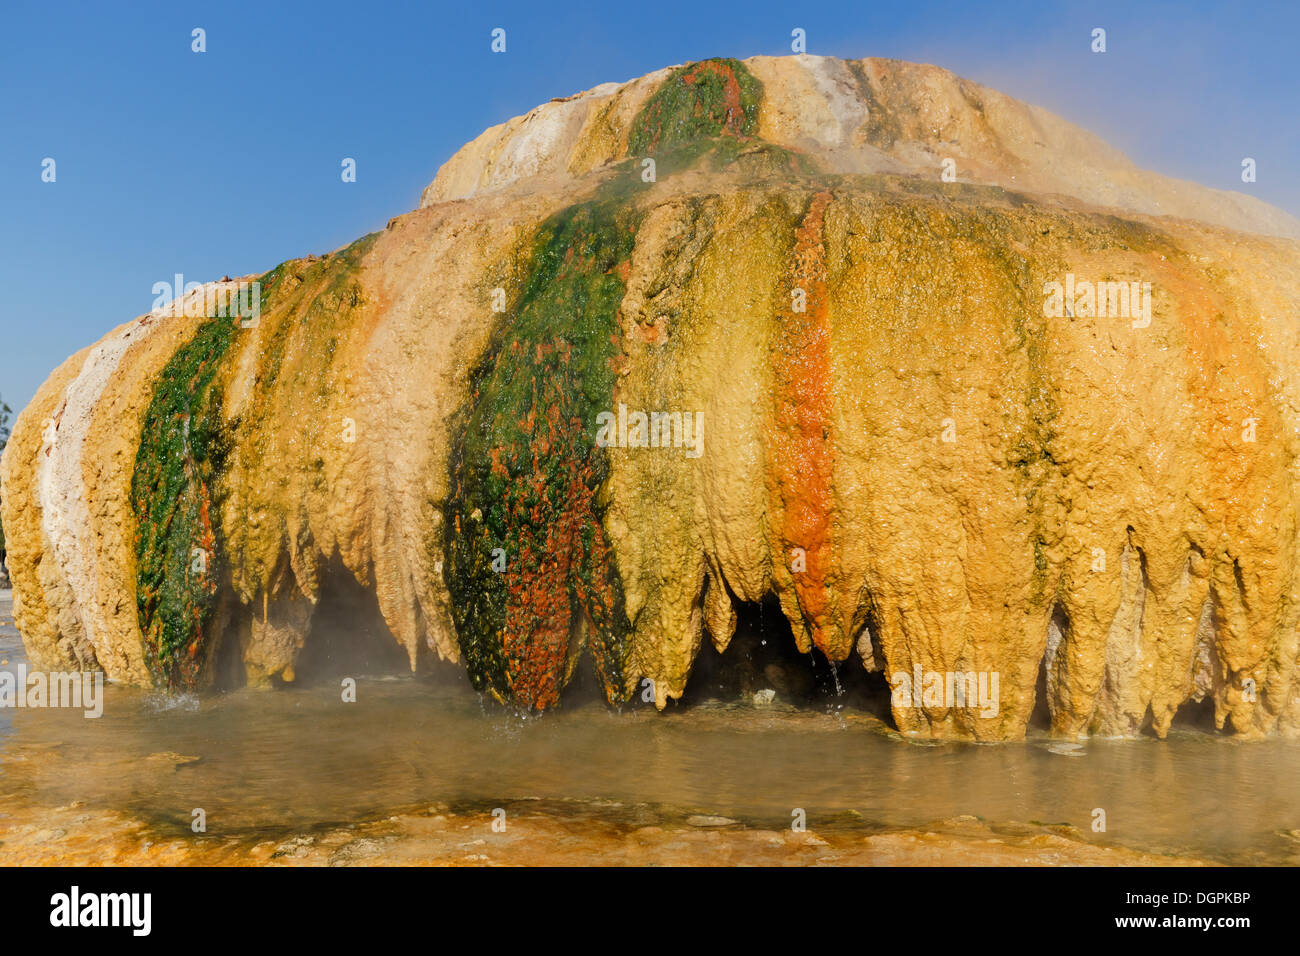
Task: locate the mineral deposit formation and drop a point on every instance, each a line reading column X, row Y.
column 955, row 382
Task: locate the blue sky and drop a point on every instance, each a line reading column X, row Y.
column 228, row 161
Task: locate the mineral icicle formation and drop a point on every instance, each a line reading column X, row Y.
column 952, row 380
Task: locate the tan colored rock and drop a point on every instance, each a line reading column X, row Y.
column 897, row 435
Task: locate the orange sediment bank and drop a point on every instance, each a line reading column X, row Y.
column 538, row 834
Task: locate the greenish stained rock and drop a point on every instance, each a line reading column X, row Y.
column 530, row 568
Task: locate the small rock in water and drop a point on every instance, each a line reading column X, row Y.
column 173, row 758
column 1066, row 749
column 702, row 820
column 764, row 698
column 296, row 848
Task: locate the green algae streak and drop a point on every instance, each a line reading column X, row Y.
column 526, row 470
column 182, row 452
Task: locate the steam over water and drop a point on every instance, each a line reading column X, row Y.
column 297, row 757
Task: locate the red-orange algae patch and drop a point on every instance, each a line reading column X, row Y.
column 531, row 573
column 800, row 444
column 551, row 508
column 733, row 117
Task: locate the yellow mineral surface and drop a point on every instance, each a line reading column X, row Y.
column 979, row 402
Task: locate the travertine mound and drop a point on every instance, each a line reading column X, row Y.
column 579, row 405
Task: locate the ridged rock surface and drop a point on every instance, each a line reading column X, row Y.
column 891, row 429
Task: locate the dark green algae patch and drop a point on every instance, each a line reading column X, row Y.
column 526, row 473
column 184, row 449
